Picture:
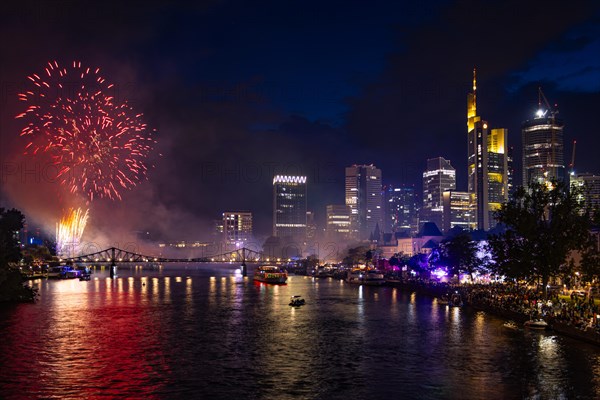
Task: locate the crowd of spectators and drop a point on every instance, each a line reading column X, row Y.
column 578, row 309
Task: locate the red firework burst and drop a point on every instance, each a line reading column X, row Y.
column 98, row 147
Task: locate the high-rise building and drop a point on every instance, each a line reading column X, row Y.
column 363, row 196
column 311, row 226
column 289, row 206
column 511, row 170
column 439, row 177
column 543, row 149
column 458, row 211
column 400, row 209
column 338, row 222
column 237, row 228
column 590, row 187
column 488, row 171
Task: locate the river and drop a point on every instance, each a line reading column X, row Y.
column 204, row 331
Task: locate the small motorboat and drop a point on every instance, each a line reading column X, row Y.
column 536, row 324
column 297, row 301
column 456, row 300
column 511, row 325
column 443, row 301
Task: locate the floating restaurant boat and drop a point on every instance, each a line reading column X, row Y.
column 270, row 274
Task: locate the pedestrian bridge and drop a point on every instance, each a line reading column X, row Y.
column 114, row 255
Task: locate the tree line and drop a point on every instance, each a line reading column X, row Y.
column 544, row 232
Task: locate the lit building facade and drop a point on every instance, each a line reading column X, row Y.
column 440, row 176
column 363, row 196
column 311, row 226
column 488, row 171
column 400, row 209
column 338, row 222
column 590, row 187
column 237, row 228
column 543, row 148
column 289, row 206
column 458, row 211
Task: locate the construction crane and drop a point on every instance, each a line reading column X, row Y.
column 572, row 165
column 540, row 113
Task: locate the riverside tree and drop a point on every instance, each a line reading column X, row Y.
column 12, row 286
column 544, row 224
column 459, row 253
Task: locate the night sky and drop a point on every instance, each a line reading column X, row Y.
column 238, row 90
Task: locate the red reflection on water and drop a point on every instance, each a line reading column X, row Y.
column 94, row 340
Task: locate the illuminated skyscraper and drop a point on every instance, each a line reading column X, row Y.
column 590, row 186
column 458, row 211
column 338, row 222
column 363, row 196
column 237, row 228
column 543, row 149
column 487, row 164
column 289, row 206
column 401, row 211
column 439, row 177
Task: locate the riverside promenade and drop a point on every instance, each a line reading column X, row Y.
column 576, row 317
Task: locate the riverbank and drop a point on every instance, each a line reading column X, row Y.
column 471, row 299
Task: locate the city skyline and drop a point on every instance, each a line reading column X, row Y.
column 222, row 124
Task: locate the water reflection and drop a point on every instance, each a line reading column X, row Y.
column 179, row 334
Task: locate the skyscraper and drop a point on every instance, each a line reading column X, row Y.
column 363, row 196
column 458, row 211
column 400, row 209
column 590, row 187
column 439, row 177
column 338, row 222
column 237, row 228
column 289, row 206
column 543, row 149
column 488, row 171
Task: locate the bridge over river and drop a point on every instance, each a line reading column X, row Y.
column 114, row 255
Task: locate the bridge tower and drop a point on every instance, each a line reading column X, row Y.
column 113, row 264
column 244, row 269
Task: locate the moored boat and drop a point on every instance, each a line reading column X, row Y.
column 354, row 276
column 456, row 300
column 270, row 274
column 373, row 278
column 536, row 324
column 511, row 325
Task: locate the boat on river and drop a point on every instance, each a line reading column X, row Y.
column 366, row 277
column 456, row 300
column 536, row 324
column 373, row 278
column 297, row 301
column 511, row 325
column 270, row 274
